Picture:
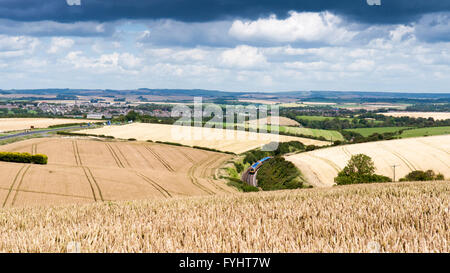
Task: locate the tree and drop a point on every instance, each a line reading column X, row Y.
column 360, row 169
column 360, row 164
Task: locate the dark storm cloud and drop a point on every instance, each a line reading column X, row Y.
column 391, row 11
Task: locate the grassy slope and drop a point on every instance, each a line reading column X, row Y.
column 328, row 134
column 369, row 131
column 407, row 217
column 426, row 132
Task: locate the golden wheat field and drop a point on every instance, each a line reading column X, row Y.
column 15, row 124
column 434, row 115
column 85, row 170
column 221, row 139
column 321, row 166
column 405, row 217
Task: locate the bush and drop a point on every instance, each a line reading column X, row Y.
column 239, row 167
column 422, row 176
column 23, row 158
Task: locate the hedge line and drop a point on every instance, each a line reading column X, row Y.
column 81, row 134
column 23, row 158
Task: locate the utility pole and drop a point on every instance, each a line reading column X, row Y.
column 393, row 167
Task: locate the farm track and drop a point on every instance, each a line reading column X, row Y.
column 160, row 159
column 155, row 185
column 114, row 155
column 191, row 174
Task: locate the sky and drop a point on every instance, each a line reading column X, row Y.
column 230, row 45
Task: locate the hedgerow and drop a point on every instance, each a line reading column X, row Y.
column 23, row 158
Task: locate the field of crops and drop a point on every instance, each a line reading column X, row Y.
column 85, row 171
column 435, row 115
column 225, row 140
column 320, row 167
column 16, row 124
column 406, row 217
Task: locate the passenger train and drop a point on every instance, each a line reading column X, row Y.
column 258, row 164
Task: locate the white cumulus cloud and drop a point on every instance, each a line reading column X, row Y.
column 298, row 27
column 243, row 57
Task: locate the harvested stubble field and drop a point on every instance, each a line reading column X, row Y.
column 434, row 115
column 320, row 167
column 225, row 140
column 404, row 217
column 85, row 171
column 16, row 124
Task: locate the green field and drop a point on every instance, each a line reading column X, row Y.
column 432, row 131
column 365, row 132
column 328, row 134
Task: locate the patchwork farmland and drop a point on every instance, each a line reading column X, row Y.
column 321, row 166
column 86, row 170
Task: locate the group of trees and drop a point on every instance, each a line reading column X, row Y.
column 276, row 149
column 360, row 169
column 429, row 175
column 279, row 174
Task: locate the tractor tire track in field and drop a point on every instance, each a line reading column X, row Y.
column 143, row 156
column 402, row 158
column 329, row 162
column 76, row 153
column 20, row 184
column 191, row 174
column 87, row 172
column 114, row 155
column 12, row 185
column 208, row 177
column 123, row 156
column 91, row 179
column 49, row 193
column 187, row 156
column 155, row 185
column 34, row 149
column 434, row 156
column 160, row 159
column 346, row 151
